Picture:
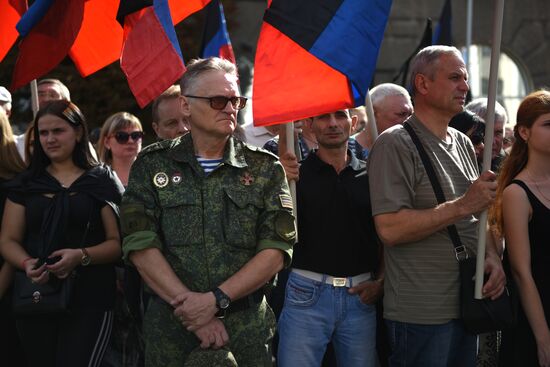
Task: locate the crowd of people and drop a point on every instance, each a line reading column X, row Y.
column 192, row 251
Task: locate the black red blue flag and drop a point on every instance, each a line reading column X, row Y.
column 315, row 57
column 216, row 40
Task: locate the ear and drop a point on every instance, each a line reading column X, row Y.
column 308, row 122
column 106, row 143
column 524, row 133
column 155, row 127
column 421, row 83
column 354, row 120
column 185, row 106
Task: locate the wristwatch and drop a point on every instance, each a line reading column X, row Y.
column 222, row 302
column 86, row 258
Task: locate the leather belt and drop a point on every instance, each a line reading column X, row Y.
column 334, row 281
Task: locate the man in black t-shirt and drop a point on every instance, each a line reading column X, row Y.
column 336, row 277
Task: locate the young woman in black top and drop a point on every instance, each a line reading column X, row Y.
column 61, row 220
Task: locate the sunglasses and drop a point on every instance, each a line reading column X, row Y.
column 122, row 136
column 219, row 102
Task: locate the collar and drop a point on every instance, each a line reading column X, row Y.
column 353, row 163
column 183, row 151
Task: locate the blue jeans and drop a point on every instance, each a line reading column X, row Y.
column 315, row 313
column 444, row 345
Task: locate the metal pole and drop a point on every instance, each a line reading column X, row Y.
column 34, row 97
column 469, row 20
column 289, row 132
column 371, row 120
column 489, row 132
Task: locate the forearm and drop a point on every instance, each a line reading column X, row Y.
column 157, row 273
column 105, row 252
column 532, row 305
column 14, row 253
column 255, row 274
column 409, row 225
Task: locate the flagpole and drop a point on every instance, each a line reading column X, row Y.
column 34, row 97
column 489, row 132
column 371, row 120
column 469, row 20
column 289, row 132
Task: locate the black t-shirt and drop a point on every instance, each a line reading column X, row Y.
column 96, row 284
column 335, row 226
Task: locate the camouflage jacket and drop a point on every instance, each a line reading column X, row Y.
column 207, row 227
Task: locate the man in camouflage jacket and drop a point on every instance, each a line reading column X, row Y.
column 207, row 221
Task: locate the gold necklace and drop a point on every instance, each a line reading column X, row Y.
column 537, row 186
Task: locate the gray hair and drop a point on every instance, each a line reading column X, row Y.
column 197, row 67
column 479, row 107
column 65, row 94
column 426, row 62
column 384, row 90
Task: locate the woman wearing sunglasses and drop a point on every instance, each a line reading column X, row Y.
column 120, row 142
column 60, row 226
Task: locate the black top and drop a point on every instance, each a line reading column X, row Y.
column 335, row 226
column 57, row 217
column 539, row 235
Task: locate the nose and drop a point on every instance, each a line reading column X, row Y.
column 332, row 120
column 229, row 107
column 183, row 127
column 464, row 85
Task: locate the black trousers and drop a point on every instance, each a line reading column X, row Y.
column 73, row 340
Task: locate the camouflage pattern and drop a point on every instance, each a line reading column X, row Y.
column 209, row 357
column 207, row 227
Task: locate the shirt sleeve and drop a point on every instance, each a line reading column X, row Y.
column 276, row 228
column 139, row 211
column 391, row 169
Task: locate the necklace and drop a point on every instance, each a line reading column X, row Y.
column 537, row 186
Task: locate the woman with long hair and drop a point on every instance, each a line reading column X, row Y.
column 120, row 142
column 522, row 213
column 60, row 224
column 10, row 165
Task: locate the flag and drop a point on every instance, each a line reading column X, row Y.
column 151, row 56
column 443, row 34
column 99, row 41
column 316, row 57
column 181, row 9
column 424, row 42
column 11, row 11
column 215, row 40
column 49, row 29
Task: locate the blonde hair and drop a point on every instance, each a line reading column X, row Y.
column 10, row 161
column 114, row 123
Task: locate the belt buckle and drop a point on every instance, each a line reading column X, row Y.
column 339, row 282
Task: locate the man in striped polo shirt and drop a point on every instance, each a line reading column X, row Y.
column 421, row 291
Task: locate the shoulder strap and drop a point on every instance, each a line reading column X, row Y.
column 460, row 250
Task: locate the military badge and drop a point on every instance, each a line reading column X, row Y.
column 286, row 201
column 161, row 179
column 247, row 179
column 176, row 178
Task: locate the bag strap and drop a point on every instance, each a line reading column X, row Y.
column 460, row 249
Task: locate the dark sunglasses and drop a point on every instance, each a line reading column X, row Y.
column 122, row 136
column 219, row 102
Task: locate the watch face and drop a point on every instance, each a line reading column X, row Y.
column 86, row 260
column 224, row 303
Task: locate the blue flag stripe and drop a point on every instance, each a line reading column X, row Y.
column 32, row 16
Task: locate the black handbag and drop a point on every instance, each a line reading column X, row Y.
column 479, row 316
column 52, row 297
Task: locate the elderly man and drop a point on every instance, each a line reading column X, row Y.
column 207, row 222
column 392, row 105
column 169, row 121
column 421, row 290
column 5, row 100
column 479, row 107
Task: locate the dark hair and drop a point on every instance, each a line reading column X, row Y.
column 464, row 121
column 82, row 156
